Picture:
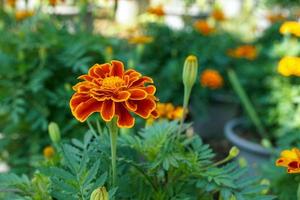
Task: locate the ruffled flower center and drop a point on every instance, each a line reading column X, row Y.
column 112, row 82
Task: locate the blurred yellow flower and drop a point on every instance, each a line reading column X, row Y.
column 290, row 27
column 290, row 159
column 218, row 15
column 48, row 152
column 168, row 111
column 289, row 66
column 246, row 51
column 142, row 39
column 203, row 27
column 211, row 78
column 23, row 14
column 158, row 11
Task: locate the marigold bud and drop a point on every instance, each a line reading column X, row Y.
column 234, row 152
column 100, row 194
column 190, row 70
column 54, row 132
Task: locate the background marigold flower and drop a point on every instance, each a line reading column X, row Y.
column 53, row 2
column 11, row 3
column 211, row 78
column 289, row 66
column 203, row 27
column 245, row 51
column 48, row 152
column 158, row 11
column 111, row 91
column 275, row 17
column 290, row 27
column 169, row 111
column 141, row 39
column 23, row 14
column 290, row 159
column 218, row 15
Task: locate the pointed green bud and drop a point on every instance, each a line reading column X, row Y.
column 54, row 132
column 234, row 152
column 100, row 194
column 190, row 70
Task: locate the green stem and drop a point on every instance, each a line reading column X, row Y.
column 298, row 192
column 113, row 129
column 246, row 103
column 187, row 94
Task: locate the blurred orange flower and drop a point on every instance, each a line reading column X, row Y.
column 168, row 111
column 275, row 17
column 48, row 152
column 111, row 91
column 246, row 51
column 218, row 15
column 203, row 27
column 11, row 3
column 142, row 39
column 290, row 27
column 53, row 2
column 158, row 11
column 23, row 14
column 290, row 159
column 289, row 66
column 211, row 78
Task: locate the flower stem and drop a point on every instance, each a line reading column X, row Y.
column 113, row 129
column 298, row 192
column 186, row 98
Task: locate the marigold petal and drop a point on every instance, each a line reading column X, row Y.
column 150, row 89
column 85, row 77
column 141, row 81
column 125, row 120
column 86, row 108
column 130, row 105
column 121, row 96
column 77, row 99
column 154, row 114
column 138, row 94
column 145, row 107
column 117, row 69
column 99, row 71
column 108, row 110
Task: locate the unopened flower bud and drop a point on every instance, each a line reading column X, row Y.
column 54, row 132
column 234, row 152
column 190, row 70
column 100, row 194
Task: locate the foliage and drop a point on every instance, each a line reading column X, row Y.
column 155, row 164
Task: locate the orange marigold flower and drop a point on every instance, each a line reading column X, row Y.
column 168, row 111
column 289, row 66
column 290, row 27
column 141, row 39
column 203, row 27
column 111, row 91
column 211, row 78
column 246, row 51
column 218, row 15
column 53, row 2
column 11, row 3
column 275, row 17
column 290, row 159
column 23, row 14
column 158, row 11
column 48, row 152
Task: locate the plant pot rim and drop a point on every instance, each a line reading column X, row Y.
column 243, row 143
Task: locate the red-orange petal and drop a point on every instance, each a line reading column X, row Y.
column 154, row 114
column 108, row 110
column 141, row 81
column 150, row 89
column 121, row 96
column 103, row 70
column 137, row 94
column 130, row 105
column 86, row 108
column 145, row 107
column 77, row 99
column 85, row 77
column 125, row 120
column 117, row 69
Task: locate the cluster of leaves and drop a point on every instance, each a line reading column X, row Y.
column 155, row 164
column 39, row 59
